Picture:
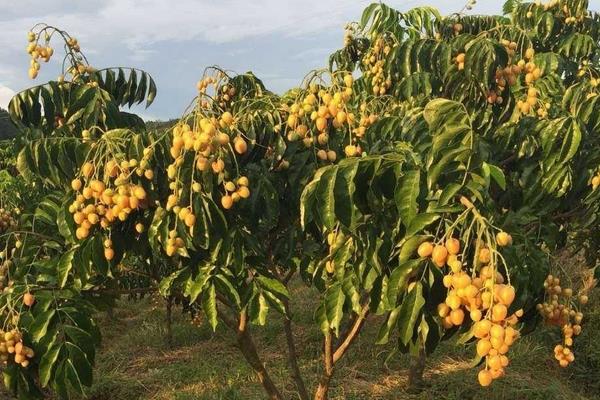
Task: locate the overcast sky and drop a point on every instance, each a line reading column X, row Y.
column 174, row 40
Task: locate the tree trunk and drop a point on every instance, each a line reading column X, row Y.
column 169, row 322
column 322, row 391
column 292, row 356
column 415, row 371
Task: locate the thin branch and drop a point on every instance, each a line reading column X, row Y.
column 292, row 355
column 352, row 333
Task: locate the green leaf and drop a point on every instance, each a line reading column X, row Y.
column 406, row 195
column 420, row 222
column 64, row 266
column 409, row 313
column 209, row 305
column 40, row 325
column 48, row 361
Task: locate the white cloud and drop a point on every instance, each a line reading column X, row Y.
column 5, row 95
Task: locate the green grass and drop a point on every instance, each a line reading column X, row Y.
column 135, row 363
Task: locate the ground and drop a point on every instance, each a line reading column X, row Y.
column 135, row 363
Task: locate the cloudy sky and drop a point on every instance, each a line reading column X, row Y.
column 279, row 40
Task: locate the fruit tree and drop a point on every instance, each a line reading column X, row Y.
column 429, row 175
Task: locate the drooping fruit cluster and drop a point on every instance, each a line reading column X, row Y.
column 595, row 182
column 7, row 220
column 561, row 308
column 477, row 294
column 373, row 64
column 315, row 115
column 12, row 348
column 37, row 52
column 107, row 193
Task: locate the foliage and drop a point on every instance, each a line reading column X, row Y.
column 387, row 182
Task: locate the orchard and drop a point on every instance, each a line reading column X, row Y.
column 429, row 176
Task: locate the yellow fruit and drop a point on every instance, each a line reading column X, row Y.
column 453, row 301
column 240, row 145
column 475, row 315
column 439, row 255
column 227, row 118
column 139, row 227
column 499, row 312
column 226, row 202
column 503, row 239
column 484, row 377
column 484, row 255
column 483, row 347
column 453, row 246
column 190, row 220
column 87, row 169
column 28, row 299
column 242, row 181
column 244, row 192
column 76, row 184
column 457, row 316
column 443, row 310
column 230, row 186
column 482, row 328
column 350, row 150
column 529, row 53
column 109, row 254
column 425, row 249
column 507, row 295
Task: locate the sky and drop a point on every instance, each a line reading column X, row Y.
column 174, row 40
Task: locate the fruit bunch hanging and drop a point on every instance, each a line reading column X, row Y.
column 110, row 189
column 477, row 291
column 7, row 220
column 562, row 308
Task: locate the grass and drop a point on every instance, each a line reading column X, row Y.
column 135, row 363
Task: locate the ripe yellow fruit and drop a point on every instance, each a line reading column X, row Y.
column 350, row 150
column 227, row 118
column 28, row 299
column 425, row 249
column 443, row 310
column 453, row 301
column 227, row 202
column 76, row 184
column 439, row 255
column 475, row 315
column 503, row 239
column 482, row 328
column 230, row 186
column 453, row 246
column 507, row 295
column 240, row 145
column 484, row 377
column 457, row 316
column 87, row 169
column 243, row 192
column 529, row 53
column 109, row 253
column 499, row 312
column 139, row 227
column 483, row 347
column 242, row 181
column 190, row 220
column 484, row 255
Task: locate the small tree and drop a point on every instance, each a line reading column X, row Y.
column 388, row 182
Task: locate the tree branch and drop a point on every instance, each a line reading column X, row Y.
column 351, row 334
column 292, row 355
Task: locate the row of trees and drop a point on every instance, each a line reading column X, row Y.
column 428, row 176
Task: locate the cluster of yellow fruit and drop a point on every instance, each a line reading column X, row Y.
column 559, row 310
column 365, row 121
column 324, row 108
column 234, row 193
column 373, row 62
column 103, row 202
column 174, row 243
column 7, row 221
column 81, row 69
column 595, row 182
column 13, row 349
column 210, row 142
column 223, row 93
column 333, row 237
column 4, row 269
column 484, row 297
column 37, row 52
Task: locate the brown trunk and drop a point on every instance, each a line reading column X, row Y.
column 292, row 355
column 415, row 371
column 323, row 388
column 169, row 322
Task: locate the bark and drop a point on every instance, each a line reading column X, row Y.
column 169, row 322
column 415, row 371
column 292, row 355
column 248, row 349
column 322, row 391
